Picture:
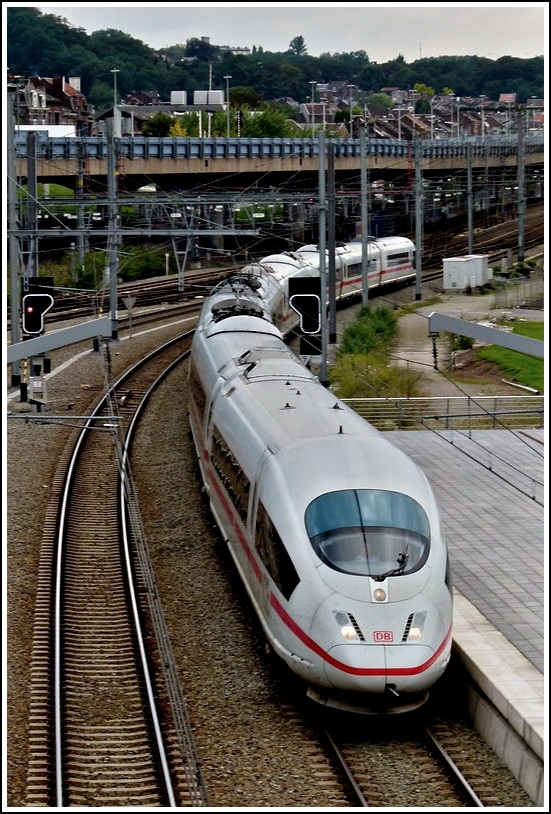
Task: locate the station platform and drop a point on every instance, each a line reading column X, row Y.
column 489, row 485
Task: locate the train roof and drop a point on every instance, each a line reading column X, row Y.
column 232, row 299
column 390, row 242
column 275, row 403
column 345, row 460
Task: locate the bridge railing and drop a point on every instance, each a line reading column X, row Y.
column 144, row 147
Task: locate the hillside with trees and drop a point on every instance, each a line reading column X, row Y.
column 47, row 45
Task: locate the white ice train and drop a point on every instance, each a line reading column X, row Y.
column 389, row 260
column 334, row 531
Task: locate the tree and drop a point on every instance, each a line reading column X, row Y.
column 285, row 80
column 45, row 45
column 423, row 90
column 270, row 122
column 185, row 126
column 158, row 125
column 298, row 46
column 425, row 94
column 101, row 95
column 245, row 97
column 398, row 73
column 201, row 50
column 380, row 100
column 342, row 116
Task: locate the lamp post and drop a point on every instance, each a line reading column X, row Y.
column 482, row 122
column 115, row 71
column 532, row 101
column 313, row 83
column 324, row 102
column 73, row 268
column 227, row 77
column 399, row 122
column 350, row 87
column 432, row 118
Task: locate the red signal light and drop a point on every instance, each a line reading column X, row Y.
column 34, row 308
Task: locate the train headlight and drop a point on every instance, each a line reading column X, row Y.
column 415, row 626
column 379, row 595
column 348, row 626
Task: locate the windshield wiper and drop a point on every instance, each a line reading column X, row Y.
column 402, row 562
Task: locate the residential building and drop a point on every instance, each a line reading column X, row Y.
column 53, row 101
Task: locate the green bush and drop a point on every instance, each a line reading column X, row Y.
column 374, row 328
column 458, row 342
column 363, row 376
column 362, row 368
column 141, row 262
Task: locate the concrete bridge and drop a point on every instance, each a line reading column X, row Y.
column 186, row 163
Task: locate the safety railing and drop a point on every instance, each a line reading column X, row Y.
column 144, row 147
column 454, row 412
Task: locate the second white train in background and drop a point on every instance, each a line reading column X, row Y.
column 389, row 261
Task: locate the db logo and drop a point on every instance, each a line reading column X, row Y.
column 382, row 636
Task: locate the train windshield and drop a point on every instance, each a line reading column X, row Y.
column 369, row 532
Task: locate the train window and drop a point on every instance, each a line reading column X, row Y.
column 400, row 259
column 197, row 391
column 369, row 532
column 355, row 269
column 273, row 554
column 232, row 477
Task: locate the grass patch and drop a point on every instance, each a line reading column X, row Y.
column 515, row 366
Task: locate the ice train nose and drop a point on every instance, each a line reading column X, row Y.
column 379, row 668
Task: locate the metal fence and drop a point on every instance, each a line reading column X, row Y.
column 455, row 412
column 518, row 293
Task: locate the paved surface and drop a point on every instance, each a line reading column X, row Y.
column 484, row 482
column 489, row 487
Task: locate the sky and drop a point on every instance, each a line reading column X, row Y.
column 382, row 30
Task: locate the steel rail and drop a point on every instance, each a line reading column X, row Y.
column 451, row 767
column 58, row 592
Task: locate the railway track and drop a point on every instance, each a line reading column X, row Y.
column 116, row 732
column 426, row 760
column 495, row 242
column 410, row 769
